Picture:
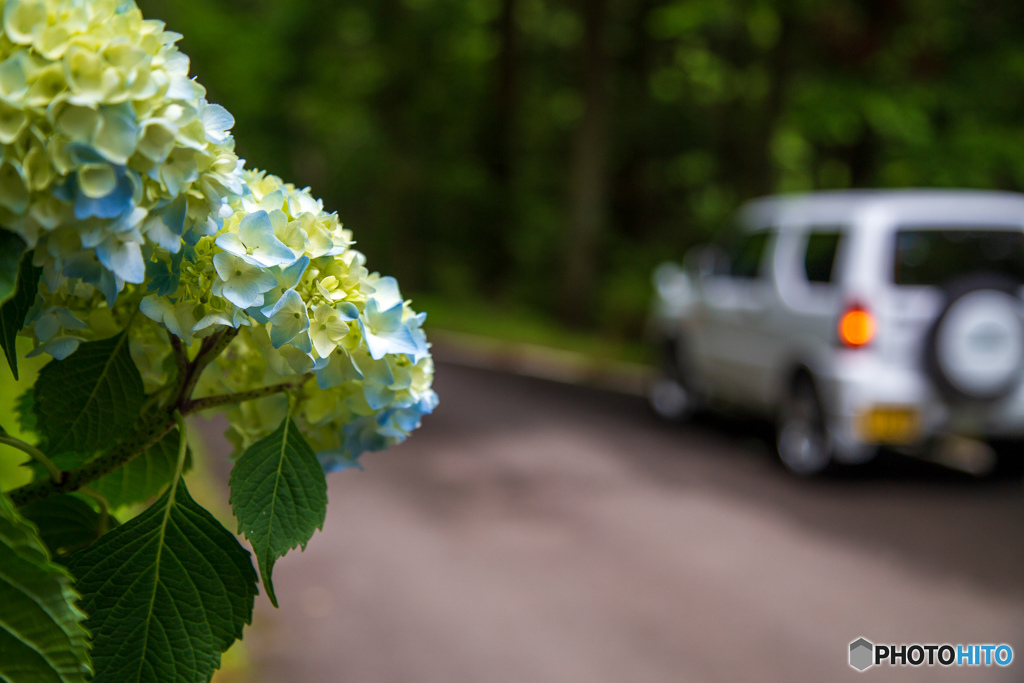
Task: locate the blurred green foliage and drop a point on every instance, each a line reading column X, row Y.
column 442, row 130
column 524, row 326
column 13, row 472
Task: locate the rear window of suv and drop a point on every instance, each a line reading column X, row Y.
column 933, row 256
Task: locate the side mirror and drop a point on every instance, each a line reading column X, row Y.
column 672, row 287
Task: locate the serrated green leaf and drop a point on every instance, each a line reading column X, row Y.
column 11, row 249
column 90, row 399
column 279, row 495
column 66, row 523
column 15, row 308
column 145, row 475
column 24, row 411
column 41, row 633
column 166, row 593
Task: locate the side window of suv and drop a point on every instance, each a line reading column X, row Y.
column 747, row 257
column 820, row 255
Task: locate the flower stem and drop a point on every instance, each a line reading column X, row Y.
column 37, row 455
column 212, row 347
column 182, row 444
column 180, row 354
column 219, row 400
column 148, row 434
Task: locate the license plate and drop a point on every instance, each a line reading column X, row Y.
column 889, row 425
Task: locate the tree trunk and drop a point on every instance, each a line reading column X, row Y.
column 762, row 173
column 588, row 175
column 499, row 134
column 505, row 96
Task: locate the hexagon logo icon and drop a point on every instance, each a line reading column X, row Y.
column 861, row 654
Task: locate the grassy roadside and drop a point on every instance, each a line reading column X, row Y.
column 523, row 327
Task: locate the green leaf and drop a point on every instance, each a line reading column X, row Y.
column 66, row 523
column 145, row 475
column 41, row 633
column 166, row 593
column 11, row 249
column 90, row 399
column 15, row 308
column 25, row 412
column 279, row 495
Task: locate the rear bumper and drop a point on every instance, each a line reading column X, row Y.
column 858, row 383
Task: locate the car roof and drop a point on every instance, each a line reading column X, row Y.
column 906, row 206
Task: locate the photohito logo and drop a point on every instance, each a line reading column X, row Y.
column 861, row 654
column 865, row 654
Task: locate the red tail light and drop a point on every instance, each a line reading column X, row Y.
column 856, row 327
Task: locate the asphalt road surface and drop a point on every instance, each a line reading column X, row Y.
column 535, row 532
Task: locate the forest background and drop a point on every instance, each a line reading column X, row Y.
column 533, row 160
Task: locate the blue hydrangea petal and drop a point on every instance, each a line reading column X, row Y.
column 217, row 121
column 288, row 317
column 380, row 344
column 245, row 289
column 386, row 292
column 230, row 243
column 120, row 199
column 336, row 461
column 58, row 347
column 339, row 369
column 166, row 224
column 256, row 313
column 377, row 395
column 347, row 310
column 302, row 342
column 124, row 259
column 290, row 276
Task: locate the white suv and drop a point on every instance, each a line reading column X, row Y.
column 856, row 319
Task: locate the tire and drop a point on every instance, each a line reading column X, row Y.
column 802, row 439
column 669, row 393
column 1009, row 459
column 984, row 307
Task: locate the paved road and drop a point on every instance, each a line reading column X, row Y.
column 534, row 532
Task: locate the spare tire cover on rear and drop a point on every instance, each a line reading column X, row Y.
column 976, row 348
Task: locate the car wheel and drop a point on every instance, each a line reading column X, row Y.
column 801, row 436
column 669, row 393
column 1009, row 459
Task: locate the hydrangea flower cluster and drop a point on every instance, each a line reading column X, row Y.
column 123, row 179
column 284, row 272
